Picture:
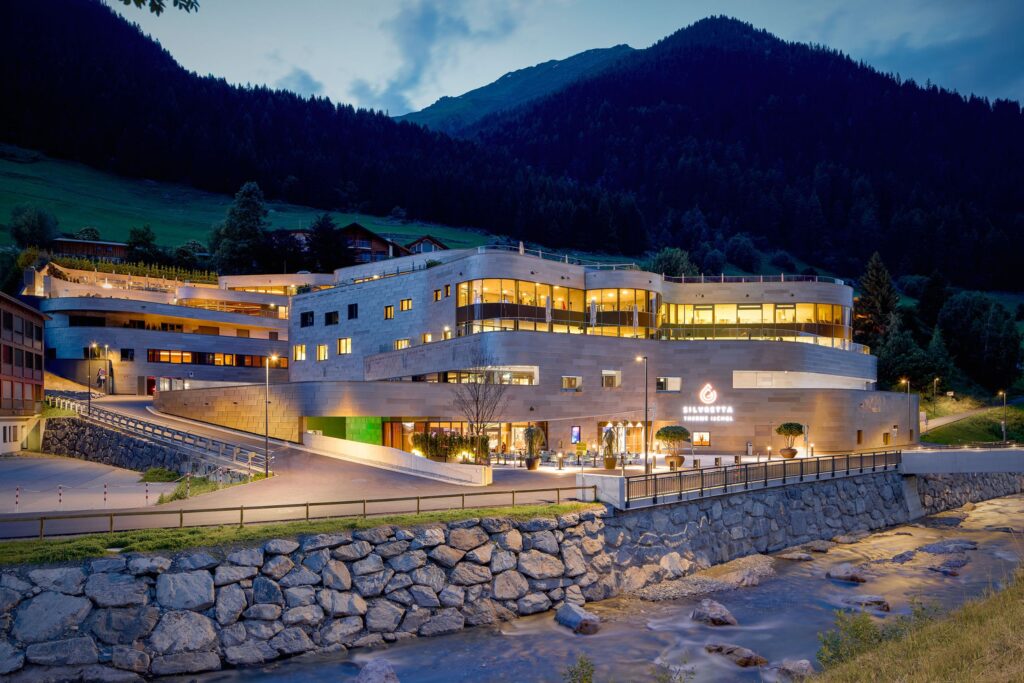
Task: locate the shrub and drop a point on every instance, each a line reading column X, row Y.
column 790, row 430
column 673, row 435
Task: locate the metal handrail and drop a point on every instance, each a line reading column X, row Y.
column 701, row 480
column 215, row 451
column 781, row 277
column 364, row 512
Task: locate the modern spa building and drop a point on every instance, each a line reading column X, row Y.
column 376, row 356
column 147, row 333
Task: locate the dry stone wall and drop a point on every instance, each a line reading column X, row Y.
column 77, row 438
column 940, row 492
column 125, row 617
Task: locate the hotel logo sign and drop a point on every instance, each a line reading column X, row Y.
column 707, row 411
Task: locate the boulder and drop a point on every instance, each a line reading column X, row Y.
column 574, row 595
column 467, row 539
column 263, row 612
column 225, row 574
column 123, row 625
column 481, row 554
column 904, row 557
column 740, row 656
column 392, row 548
column 424, row 596
column 184, row 663
column 194, row 561
column 183, row 631
column 320, row 541
column 280, row 546
column 510, row 540
column 67, row 580
column 407, row 561
column 48, row 615
column 847, row 572
column 851, row 537
column 143, row 564
column 11, row 659
column 468, row 573
column 429, row 575
column 185, row 590
column 262, row 630
column 502, row 560
column 299, row 596
column 250, row 653
column 443, row 621
column 538, row 565
column 795, row 669
column 383, row 616
column 376, row 535
column 446, row 556
column 339, row 630
column 9, row 599
column 368, row 565
column 452, row 596
column 533, row 603
column 118, row 590
column 248, row 557
column 876, row 602
column 496, row 525
column 543, row 541
column 230, row 604
column 299, row 576
column 108, row 564
column 277, row 566
column 714, row 613
column 68, row 652
column 356, row 550
column 510, row 585
column 316, row 561
column 949, row 546
column 572, row 557
column 675, row 565
column 538, row 524
column 372, row 585
column 377, row 671
column 266, row 590
column 578, row 619
column 307, row 615
column 819, row 546
column 398, row 581
column 336, row 575
column 427, row 537
column 340, row 604
column 129, row 659
column 292, row 641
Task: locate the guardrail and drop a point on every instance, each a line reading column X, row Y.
column 968, row 444
column 781, row 277
column 365, row 509
column 719, row 479
column 213, row 451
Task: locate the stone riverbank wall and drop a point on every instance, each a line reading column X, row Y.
column 77, row 438
column 125, row 617
column 940, row 492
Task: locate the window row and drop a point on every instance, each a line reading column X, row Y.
column 753, row 314
column 612, row 379
column 20, row 330
column 20, row 391
column 307, row 318
column 238, row 360
column 18, row 358
column 343, row 347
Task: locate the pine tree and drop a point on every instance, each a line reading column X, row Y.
column 938, row 355
column 877, row 302
column 934, row 295
column 237, row 244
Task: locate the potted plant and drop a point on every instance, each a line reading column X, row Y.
column 609, row 449
column 789, row 430
column 673, row 436
column 534, row 438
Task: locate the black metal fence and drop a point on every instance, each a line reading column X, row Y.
column 740, row 477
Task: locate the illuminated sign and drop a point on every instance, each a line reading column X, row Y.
column 574, row 434
column 708, row 412
column 701, row 439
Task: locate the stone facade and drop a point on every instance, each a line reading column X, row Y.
column 940, row 492
column 76, row 438
column 123, row 617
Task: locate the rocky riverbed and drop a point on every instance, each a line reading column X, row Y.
column 779, row 606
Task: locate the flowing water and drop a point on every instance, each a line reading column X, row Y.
column 780, row 618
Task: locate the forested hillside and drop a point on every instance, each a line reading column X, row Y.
column 91, row 87
column 721, row 128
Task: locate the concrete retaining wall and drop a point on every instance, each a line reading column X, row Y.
column 122, row 617
column 397, row 460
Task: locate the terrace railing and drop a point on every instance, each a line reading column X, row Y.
column 724, row 479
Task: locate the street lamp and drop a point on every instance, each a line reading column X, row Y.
column 910, row 416
column 647, row 467
column 88, row 376
column 1003, row 421
column 266, row 420
column 106, row 361
column 935, row 388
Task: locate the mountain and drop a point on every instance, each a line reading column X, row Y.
column 722, row 129
column 83, row 84
column 453, row 114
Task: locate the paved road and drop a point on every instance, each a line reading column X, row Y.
column 937, row 422
column 78, row 484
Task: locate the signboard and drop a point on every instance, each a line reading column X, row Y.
column 709, row 410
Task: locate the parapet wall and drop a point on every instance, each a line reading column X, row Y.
column 124, row 617
column 77, row 438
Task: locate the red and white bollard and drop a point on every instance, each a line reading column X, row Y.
column 60, row 497
column 104, row 494
column 147, row 494
column 17, row 497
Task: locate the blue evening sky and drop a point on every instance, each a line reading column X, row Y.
column 401, row 55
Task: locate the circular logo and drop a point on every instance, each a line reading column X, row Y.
column 708, row 395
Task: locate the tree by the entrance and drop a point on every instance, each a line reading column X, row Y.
column 481, row 400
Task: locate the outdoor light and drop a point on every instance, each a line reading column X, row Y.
column 266, row 419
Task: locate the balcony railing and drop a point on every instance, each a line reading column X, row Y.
column 781, row 277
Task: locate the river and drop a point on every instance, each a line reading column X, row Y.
column 779, row 618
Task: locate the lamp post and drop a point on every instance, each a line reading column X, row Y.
column 647, row 466
column 266, row 420
column 1003, row 421
column 935, row 388
column 108, row 380
column 910, row 416
column 88, row 376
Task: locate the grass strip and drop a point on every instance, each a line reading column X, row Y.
column 144, row 540
column 980, row 641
